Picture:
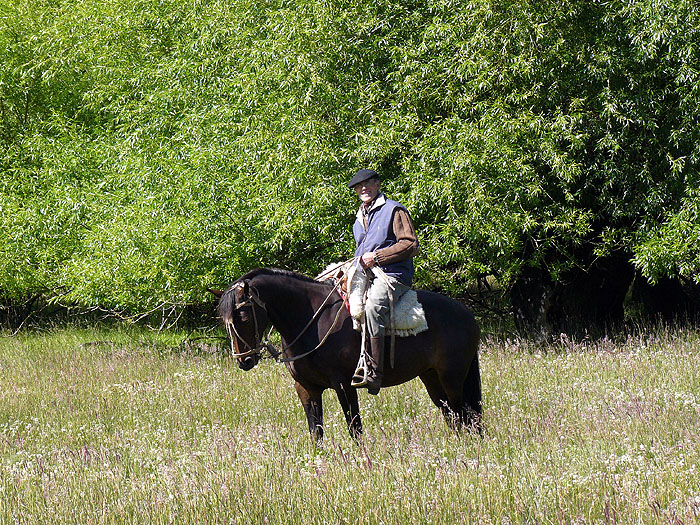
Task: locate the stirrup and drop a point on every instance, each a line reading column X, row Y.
column 360, row 377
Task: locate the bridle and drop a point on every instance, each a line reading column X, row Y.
column 261, row 345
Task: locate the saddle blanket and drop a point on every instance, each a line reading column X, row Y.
column 409, row 316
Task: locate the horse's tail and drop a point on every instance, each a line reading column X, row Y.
column 471, row 391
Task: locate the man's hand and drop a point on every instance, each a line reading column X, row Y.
column 367, row 260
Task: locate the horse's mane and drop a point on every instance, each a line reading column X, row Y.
column 277, row 271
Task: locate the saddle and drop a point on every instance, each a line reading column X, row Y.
column 408, row 314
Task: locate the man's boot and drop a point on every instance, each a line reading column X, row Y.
column 376, row 365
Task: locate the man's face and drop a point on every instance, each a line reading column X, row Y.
column 368, row 190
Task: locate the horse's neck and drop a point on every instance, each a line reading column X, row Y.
column 290, row 303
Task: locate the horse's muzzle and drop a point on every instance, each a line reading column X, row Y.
column 248, row 362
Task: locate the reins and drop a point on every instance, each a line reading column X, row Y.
column 260, row 345
column 277, row 353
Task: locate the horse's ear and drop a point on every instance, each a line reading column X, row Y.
column 218, row 293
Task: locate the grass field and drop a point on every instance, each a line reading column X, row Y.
column 123, row 426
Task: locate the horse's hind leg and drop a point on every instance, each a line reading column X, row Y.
column 311, row 400
column 458, row 398
column 438, row 395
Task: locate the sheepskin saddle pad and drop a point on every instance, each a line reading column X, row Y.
column 409, row 316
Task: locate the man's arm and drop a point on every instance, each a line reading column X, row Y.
column 406, row 240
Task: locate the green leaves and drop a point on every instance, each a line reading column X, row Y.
column 673, row 249
column 149, row 150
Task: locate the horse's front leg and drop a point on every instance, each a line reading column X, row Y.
column 311, row 400
column 347, row 396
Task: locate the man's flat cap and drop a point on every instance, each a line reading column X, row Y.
column 362, row 176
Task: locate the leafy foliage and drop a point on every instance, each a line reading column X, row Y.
column 149, row 150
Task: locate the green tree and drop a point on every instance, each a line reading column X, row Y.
column 152, row 149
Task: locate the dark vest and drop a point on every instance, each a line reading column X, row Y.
column 380, row 234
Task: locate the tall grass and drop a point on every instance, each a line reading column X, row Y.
column 124, row 426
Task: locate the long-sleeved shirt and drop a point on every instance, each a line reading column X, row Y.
column 406, row 239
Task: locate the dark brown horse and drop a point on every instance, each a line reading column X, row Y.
column 321, row 349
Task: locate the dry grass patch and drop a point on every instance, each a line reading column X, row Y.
column 136, row 430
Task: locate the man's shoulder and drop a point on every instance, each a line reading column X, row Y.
column 395, row 205
column 383, row 200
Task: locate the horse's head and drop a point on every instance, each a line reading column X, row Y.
column 245, row 318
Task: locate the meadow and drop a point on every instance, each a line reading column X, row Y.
column 130, row 426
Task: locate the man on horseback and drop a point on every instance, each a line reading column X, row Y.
column 386, row 238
